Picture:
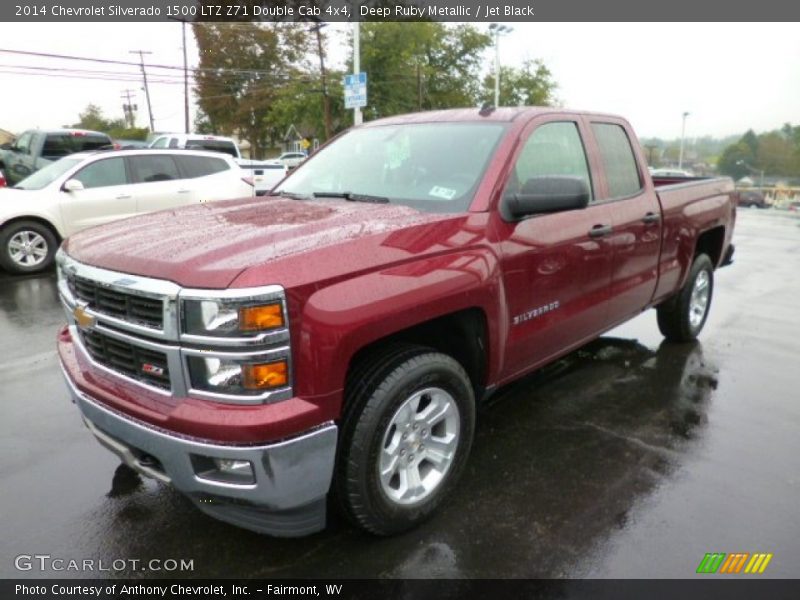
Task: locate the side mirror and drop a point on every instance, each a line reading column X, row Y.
column 551, row 193
column 72, row 185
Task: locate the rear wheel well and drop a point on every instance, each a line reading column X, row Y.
column 710, row 243
column 461, row 335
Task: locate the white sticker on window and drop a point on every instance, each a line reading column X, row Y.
column 442, row 192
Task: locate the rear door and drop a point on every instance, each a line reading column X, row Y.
column 556, row 267
column 107, row 196
column 210, row 179
column 158, row 183
column 636, row 219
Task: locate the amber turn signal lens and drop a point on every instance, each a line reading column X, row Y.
column 261, row 377
column 259, row 318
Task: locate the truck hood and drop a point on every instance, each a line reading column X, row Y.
column 209, row 245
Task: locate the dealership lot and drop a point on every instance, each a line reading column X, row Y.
column 629, row 458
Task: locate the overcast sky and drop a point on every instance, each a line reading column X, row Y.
column 730, row 77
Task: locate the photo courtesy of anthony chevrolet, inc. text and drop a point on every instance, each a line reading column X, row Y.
column 399, row 299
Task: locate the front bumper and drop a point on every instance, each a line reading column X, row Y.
column 292, row 477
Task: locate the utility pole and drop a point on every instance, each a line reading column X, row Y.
column 185, row 80
column 683, row 135
column 357, row 116
column 419, row 89
column 141, row 54
column 326, row 104
column 129, row 109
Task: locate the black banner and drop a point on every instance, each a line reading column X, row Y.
column 730, row 588
column 476, row 11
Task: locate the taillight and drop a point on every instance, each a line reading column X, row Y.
column 3, row 182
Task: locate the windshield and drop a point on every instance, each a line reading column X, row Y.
column 433, row 167
column 48, row 175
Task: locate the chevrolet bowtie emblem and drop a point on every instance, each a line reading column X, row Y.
column 83, row 318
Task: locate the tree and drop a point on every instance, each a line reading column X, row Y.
column 421, row 66
column 530, row 85
column 92, row 118
column 244, row 70
column 734, row 160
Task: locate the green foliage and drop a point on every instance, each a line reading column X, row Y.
column 420, row 66
column 92, row 118
column 530, row 85
column 777, row 153
column 135, row 133
column 245, row 69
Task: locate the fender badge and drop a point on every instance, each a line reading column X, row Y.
column 83, row 318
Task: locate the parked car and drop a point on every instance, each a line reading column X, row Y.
column 292, row 159
column 259, row 355
column 35, row 149
column 794, row 206
column 265, row 173
column 670, row 173
column 130, row 144
column 91, row 188
column 752, row 199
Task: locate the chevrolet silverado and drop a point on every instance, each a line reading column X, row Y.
column 330, row 342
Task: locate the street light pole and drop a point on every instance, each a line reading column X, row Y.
column 326, row 105
column 683, row 136
column 357, row 117
column 497, row 30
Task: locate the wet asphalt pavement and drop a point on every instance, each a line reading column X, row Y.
column 629, row 458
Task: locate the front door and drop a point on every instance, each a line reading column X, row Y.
column 556, row 267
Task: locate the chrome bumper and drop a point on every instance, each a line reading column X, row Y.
column 292, row 477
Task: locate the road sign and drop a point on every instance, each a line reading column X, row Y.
column 355, row 90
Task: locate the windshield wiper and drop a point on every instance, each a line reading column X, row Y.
column 351, row 197
column 293, row 196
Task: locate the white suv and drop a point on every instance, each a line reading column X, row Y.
column 92, row 188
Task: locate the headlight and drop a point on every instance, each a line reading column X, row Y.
column 230, row 318
column 237, row 376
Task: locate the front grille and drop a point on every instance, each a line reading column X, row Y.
column 148, row 312
column 138, row 363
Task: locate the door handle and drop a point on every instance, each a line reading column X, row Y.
column 184, row 191
column 651, row 217
column 600, row 230
column 124, row 197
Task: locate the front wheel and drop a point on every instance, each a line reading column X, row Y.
column 27, row 247
column 406, row 435
column 681, row 318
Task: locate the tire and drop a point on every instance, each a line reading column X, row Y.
column 387, row 400
column 39, row 253
column 682, row 317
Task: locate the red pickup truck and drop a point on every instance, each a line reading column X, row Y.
column 333, row 339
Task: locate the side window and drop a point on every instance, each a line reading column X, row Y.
column 173, row 143
column 200, row 166
column 147, row 169
column 618, row 159
column 23, row 144
column 103, row 173
column 552, row 149
column 160, row 143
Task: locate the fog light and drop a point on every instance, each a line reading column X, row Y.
column 265, row 376
column 225, row 470
column 237, row 377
